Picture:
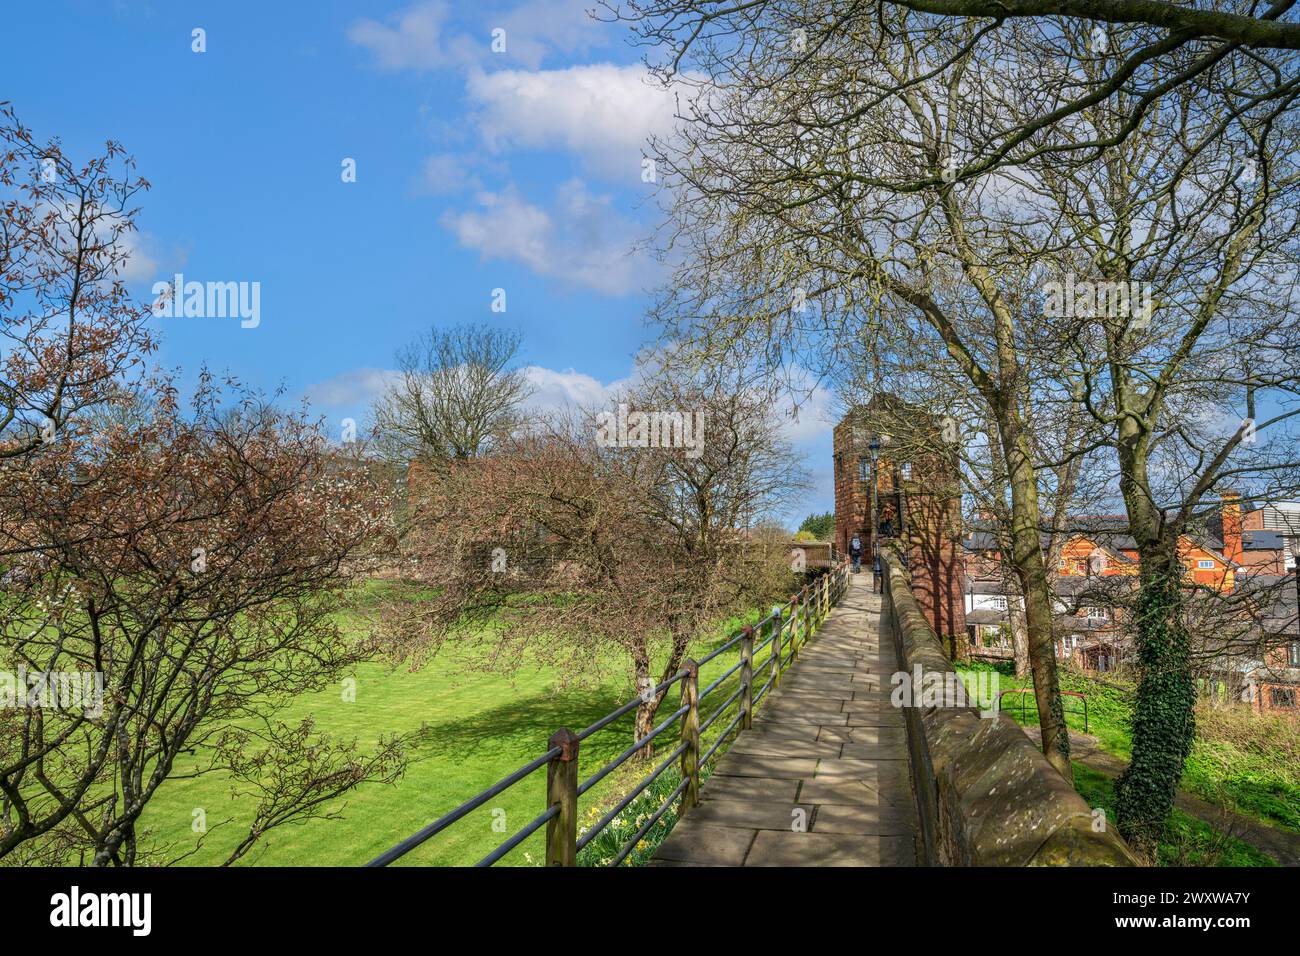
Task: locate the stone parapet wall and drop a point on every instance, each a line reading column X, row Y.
column 985, row 794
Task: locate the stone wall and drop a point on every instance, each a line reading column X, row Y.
column 985, row 794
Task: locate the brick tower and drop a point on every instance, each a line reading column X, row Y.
column 917, row 502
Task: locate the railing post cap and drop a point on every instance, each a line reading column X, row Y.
column 567, row 741
column 691, row 667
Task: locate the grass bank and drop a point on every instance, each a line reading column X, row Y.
column 1244, row 761
column 472, row 728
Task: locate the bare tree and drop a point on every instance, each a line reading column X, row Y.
column 1185, row 250
column 573, row 540
column 794, row 196
column 867, row 155
column 456, row 393
column 1166, row 46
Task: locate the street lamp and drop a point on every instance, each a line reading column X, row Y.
column 874, row 449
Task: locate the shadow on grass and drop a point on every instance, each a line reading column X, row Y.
column 523, row 725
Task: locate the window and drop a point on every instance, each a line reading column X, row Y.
column 1282, row 696
column 907, row 471
column 1293, row 655
column 998, row 602
column 1205, row 564
column 1095, row 613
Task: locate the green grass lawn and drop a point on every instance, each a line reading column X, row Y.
column 1188, row 841
column 477, row 728
column 1108, row 705
column 1245, row 775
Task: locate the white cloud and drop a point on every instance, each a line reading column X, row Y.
column 556, row 391
column 350, row 389
column 419, row 37
column 812, row 419
column 582, row 240
column 450, row 173
column 536, row 29
column 139, row 265
column 412, row 39
column 602, row 112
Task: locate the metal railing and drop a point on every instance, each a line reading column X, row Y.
column 788, row 628
column 1023, row 700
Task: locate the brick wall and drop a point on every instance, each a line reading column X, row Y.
column 934, row 555
column 919, row 498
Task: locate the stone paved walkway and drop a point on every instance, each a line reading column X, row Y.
column 826, row 742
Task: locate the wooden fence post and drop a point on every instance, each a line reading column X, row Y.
column 747, row 676
column 807, row 616
column 690, row 736
column 776, row 643
column 562, row 791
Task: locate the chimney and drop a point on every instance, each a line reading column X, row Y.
column 1231, row 521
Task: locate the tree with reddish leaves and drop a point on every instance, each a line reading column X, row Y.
column 69, row 328
column 197, row 563
column 170, row 573
column 565, row 550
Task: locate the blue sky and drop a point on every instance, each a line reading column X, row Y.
column 475, row 170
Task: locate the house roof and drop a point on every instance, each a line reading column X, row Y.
column 1262, row 540
column 1109, row 532
column 1069, row 622
column 1276, row 595
column 1075, row 585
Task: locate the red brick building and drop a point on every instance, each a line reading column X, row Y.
column 917, row 504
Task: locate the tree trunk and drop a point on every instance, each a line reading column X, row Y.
column 644, row 721
column 1019, row 633
column 1164, row 722
column 1031, row 569
column 649, row 706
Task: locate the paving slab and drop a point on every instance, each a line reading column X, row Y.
column 773, row 746
column 822, row 778
column 691, row 842
column 761, row 765
column 773, row 848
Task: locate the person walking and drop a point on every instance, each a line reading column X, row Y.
column 855, row 552
column 876, row 576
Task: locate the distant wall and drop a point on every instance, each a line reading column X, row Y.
column 816, row 553
column 985, row 795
